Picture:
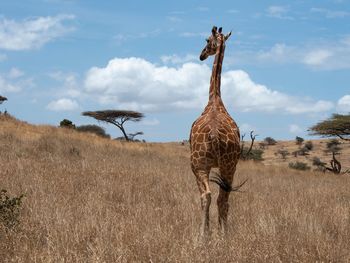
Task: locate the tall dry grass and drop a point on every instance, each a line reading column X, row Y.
column 94, row 200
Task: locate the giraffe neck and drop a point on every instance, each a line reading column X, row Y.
column 215, row 80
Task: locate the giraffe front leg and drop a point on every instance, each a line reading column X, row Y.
column 223, row 207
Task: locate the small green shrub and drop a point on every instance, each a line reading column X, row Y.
column 67, row 124
column 299, row 140
column 309, row 145
column 270, row 141
column 255, row 154
column 284, row 153
column 9, row 209
column 299, row 166
column 333, row 146
column 98, row 130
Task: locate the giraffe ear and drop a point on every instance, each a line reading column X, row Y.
column 213, row 31
column 220, row 30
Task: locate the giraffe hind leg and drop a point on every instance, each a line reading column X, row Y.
column 203, row 185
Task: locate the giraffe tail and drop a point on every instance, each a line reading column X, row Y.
column 224, row 185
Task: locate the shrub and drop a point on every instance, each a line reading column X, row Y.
column 67, row 124
column 299, row 166
column 270, row 141
column 255, row 154
column 317, row 161
column 283, row 153
column 299, row 140
column 9, row 209
column 98, row 130
column 309, row 145
column 333, row 146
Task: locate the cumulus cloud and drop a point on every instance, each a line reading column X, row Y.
column 278, row 12
column 344, row 104
column 295, row 129
column 69, row 82
column 32, row 33
column 63, row 105
column 328, row 55
column 317, row 57
column 175, row 59
column 138, row 84
column 7, row 86
column 15, row 73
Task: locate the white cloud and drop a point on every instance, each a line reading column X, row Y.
column 135, row 83
column 344, row 104
column 175, row 59
column 63, row 105
column 194, row 34
column 295, row 129
column 32, row 33
column 70, row 86
column 152, row 122
column 15, row 73
column 7, row 86
column 278, row 12
column 328, row 55
column 317, row 57
column 120, row 38
column 330, row 13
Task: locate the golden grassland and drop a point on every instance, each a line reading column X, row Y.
column 90, row 199
column 271, row 156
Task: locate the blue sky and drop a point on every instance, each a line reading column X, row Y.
column 286, row 66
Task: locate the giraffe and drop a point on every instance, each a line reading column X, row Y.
column 215, row 141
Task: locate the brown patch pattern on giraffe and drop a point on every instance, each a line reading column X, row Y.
column 214, row 139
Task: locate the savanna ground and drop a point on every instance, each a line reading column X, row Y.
column 89, row 199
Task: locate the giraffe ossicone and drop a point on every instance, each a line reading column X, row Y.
column 214, row 139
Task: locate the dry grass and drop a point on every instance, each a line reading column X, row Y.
column 320, row 146
column 94, row 200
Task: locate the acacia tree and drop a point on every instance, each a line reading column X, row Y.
column 336, row 126
column 117, row 118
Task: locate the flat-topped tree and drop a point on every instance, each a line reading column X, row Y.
column 116, row 117
column 336, row 126
column 2, row 99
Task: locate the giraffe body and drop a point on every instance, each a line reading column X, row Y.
column 214, row 140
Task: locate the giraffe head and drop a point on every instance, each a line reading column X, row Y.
column 213, row 42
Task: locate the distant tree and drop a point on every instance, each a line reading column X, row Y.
column 299, row 140
column 67, row 124
column 336, row 126
column 91, row 128
column 270, row 141
column 2, row 99
column 117, row 118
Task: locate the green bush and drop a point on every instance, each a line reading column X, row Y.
column 9, row 209
column 270, row 141
column 309, row 145
column 67, row 124
column 299, row 166
column 299, row 140
column 333, row 146
column 98, row 130
column 255, row 154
